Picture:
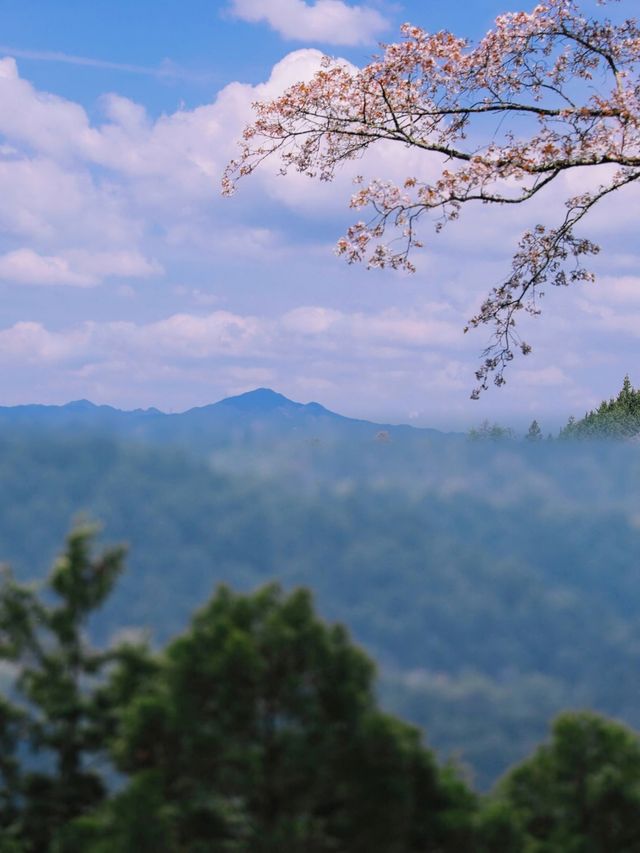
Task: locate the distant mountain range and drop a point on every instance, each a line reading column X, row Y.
column 256, row 417
column 495, row 582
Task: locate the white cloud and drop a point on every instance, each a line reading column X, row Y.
column 328, row 21
column 311, row 320
column 611, row 305
column 201, row 357
column 193, row 337
column 83, row 200
column 164, row 174
column 623, row 289
column 24, row 266
column 55, row 205
column 544, row 377
column 606, row 317
column 130, row 173
column 391, row 328
column 190, row 336
column 75, row 268
column 123, row 263
column 380, row 364
column 31, row 343
column 164, row 166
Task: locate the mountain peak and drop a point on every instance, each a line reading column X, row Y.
column 80, row 405
column 260, row 400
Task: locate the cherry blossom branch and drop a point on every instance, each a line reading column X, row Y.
column 540, row 259
column 568, row 84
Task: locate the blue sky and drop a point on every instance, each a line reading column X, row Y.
column 127, row 279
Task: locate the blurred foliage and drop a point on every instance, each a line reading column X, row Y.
column 257, row 729
column 59, row 708
column 491, row 432
column 534, row 433
column 261, row 733
column 580, row 792
column 495, row 583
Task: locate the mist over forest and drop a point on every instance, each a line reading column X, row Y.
column 259, row 625
column 493, row 579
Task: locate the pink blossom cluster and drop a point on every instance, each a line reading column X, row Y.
column 542, row 93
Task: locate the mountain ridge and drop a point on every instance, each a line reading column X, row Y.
column 259, row 420
column 259, row 401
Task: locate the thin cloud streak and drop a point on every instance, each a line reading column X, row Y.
column 167, row 71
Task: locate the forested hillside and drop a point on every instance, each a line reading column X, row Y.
column 616, row 418
column 495, row 584
column 257, row 729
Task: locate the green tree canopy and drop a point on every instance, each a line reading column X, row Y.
column 56, row 706
column 579, row 793
column 491, row 432
column 616, row 418
column 261, row 732
column 534, row 432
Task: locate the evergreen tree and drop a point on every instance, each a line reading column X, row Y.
column 490, row 432
column 261, row 733
column 57, row 698
column 534, row 433
column 10, row 736
column 617, row 418
column 580, row 793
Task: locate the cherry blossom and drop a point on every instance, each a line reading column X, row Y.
column 544, row 92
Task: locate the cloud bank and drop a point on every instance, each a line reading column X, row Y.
column 122, row 205
column 326, row 21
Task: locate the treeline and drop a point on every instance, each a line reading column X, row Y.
column 614, row 419
column 617, row 418
column 258, row 729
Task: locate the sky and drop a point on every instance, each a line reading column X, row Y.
column 126, row 278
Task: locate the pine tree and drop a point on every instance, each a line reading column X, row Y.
column 261, row 733
column 10, row 734
column 57, row 697
column 534, row 433
column 578, row 792
column 617, row 418
column 490, row 432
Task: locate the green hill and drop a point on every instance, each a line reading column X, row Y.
column 495, row 584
